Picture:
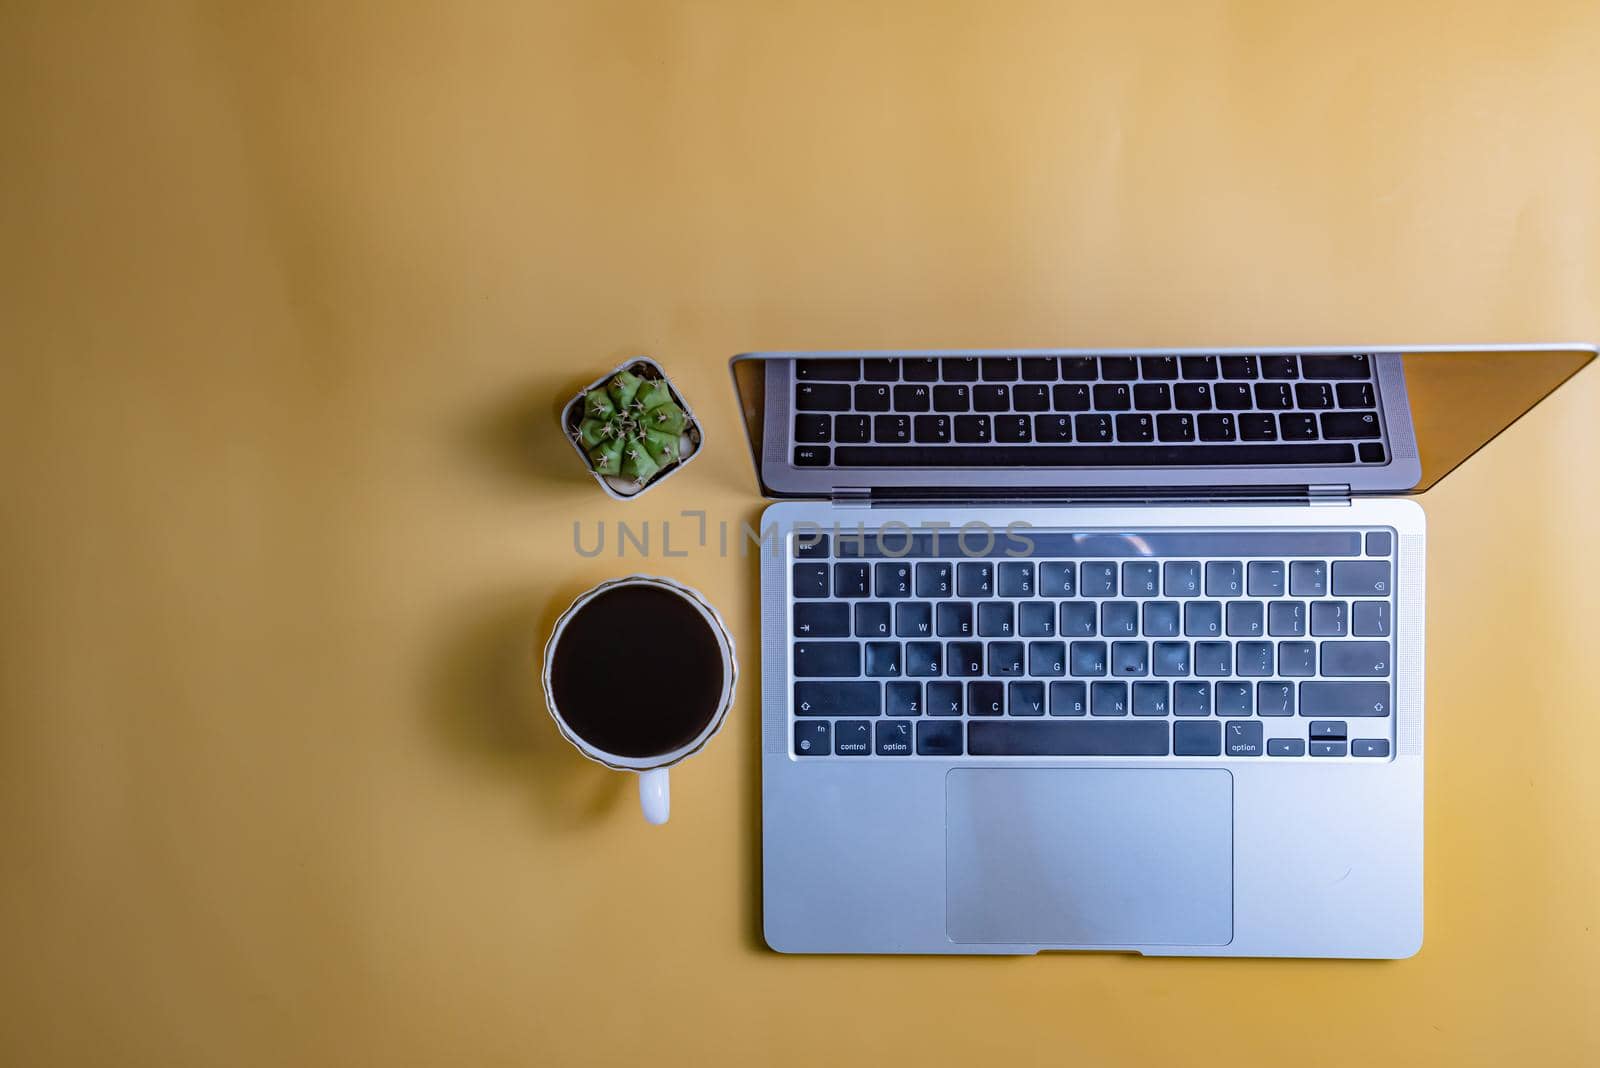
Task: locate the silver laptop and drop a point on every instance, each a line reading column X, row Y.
column 1104, row 650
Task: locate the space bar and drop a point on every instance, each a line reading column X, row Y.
column 1000, row 738
column 1089, row 455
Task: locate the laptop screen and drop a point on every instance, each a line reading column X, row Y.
column 1068, row 424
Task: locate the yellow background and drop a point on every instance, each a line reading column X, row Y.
column 289, row 295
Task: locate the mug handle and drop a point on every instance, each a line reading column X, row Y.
column 654, row 795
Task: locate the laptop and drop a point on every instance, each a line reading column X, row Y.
column 1104, row 650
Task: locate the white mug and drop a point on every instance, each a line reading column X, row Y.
column 655, row 798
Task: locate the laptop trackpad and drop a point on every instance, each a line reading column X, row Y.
column 1104, row 857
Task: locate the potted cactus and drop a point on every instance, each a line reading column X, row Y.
column 632, row 428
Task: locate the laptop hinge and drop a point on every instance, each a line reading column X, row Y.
column 859, row 496
column 1330, row 494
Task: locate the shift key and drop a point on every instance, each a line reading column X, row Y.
column 1354, row 660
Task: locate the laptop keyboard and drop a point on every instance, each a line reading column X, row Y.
column 1236, row 644
column 1086, row 411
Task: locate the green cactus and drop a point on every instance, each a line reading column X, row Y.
column 630, row 428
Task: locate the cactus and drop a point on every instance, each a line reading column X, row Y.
column 630, row 428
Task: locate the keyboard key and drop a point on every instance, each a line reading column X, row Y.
column 1078, row 619
column 1239, row 367
column 1072, row 398
column 1274, row 396
column 1005, row 658
column 1150, row 699
column 1308, row 578
column 1094, row 429
column 881, row 370
column 1112, row 397
column 959, row 368
column 891, row 429
column 1133, row 426
column 874, row 398
column 1356, row 659
column 1274, row 698
column 1197, row 739
column 951, row 398
column 1257, row 426
column 1192, row 397
column 1173, row 426
column 1216, row 427
column 1180, row 578
column 986, row 699
column 813, row 429
column 821, row 397
column 811, row 580
column 852, row 737
column 1141, row 578
column 1088, row 738
column 995, row 619
column 1025, row 699
column 872, row 620
column 1202, row 619
column 810, row 546
column 1313, row 395
column 939, row 739
column 1108, row 699
column 1329, row 619
column 1052, row 428
column 1191, row 699
column 1119, row 368
column 1327, row 728
column 852, row 429
column 1158, row 368
column 1254, row 659
column 1130, row 658
column 894, row 739
column 1286, row 747
column 944, row 699
column 1080, row 368
column 1232, row 396
column 1036, row 619
column 1279, row 367
column 991, row 398
column 830, row 370
column 813, row 738
column 1047, row 659
column 931, row 429
column 1350, row 426
column 1040, row 369
column 1213, row 659
column 934, row 580
column 924, row 659
column 912, row 398
column 1379, row 543
column 1088, row 658
column 1030, row 398
column 953, row 619
column 1350, row 700
column 1286, row 619
column 1369, row 747
column 852, row 580
column 919, row 369
column 1171, row 659
column 1069, row 699
column 1297, row 426
column 1057, row 579
column 1199, row 366
column 837, row 698
column 883, row 659
column 891, row 580
column 1265, row 578
column 1297, row 659
column 1360, row 578
column 1355, row 395
column 973, row 429
column 1152, row 397
column 1119, row 619
column 1224, row 578
column 1370, row 619
column 1246, row 619
column 1160, row 619
column 999, row 368
column 1233, row 698
column 1371, row 452
column 1335, row 367
column 1098, row 579
column 903, row 699
column 1327, row 749
column 963, row 659
column 1239, row 739
column 974, row 579
column 1016, row 579
column 829, row 619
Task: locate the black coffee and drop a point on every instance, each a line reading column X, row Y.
column 637, row 672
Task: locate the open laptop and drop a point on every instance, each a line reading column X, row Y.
column 1104, row 650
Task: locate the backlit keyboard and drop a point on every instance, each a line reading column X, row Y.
column 1086, row 411
column 1230, row 643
